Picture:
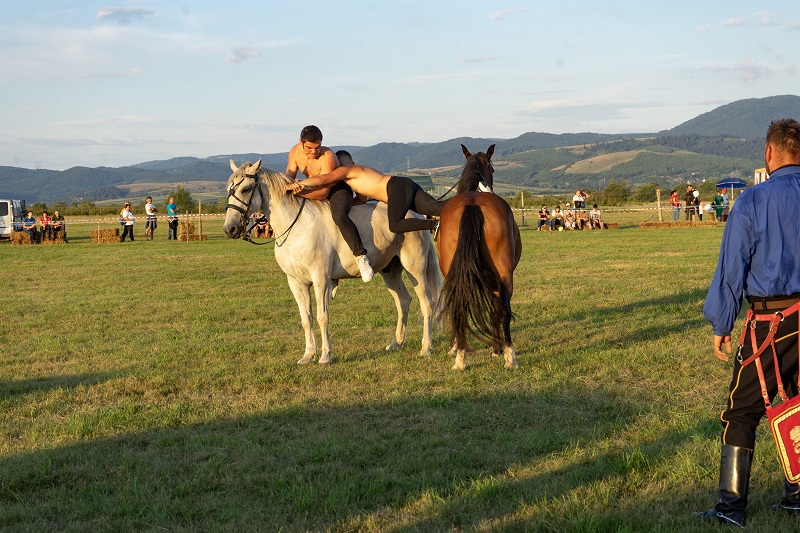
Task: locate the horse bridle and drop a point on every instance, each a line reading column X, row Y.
column 246, row 210
column 481, row 181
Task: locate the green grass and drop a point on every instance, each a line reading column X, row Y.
column 153, row 386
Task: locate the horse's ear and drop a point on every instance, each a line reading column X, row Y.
column 233, row 166
column 255, row 166
column 490, row 151
column 466, row 152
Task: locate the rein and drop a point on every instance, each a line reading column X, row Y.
column 245, row 211
column 246, row 236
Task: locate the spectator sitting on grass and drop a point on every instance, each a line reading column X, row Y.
column 544, row 218
column 569, row 218
column 595, row 217
column 557, row 219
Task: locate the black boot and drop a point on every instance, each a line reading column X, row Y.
column 791, row 498
column 734, row 479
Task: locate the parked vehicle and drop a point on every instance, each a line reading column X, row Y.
column 11, row 214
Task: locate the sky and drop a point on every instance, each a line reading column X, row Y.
column 86, row 83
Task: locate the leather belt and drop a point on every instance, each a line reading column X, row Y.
column 772, row 304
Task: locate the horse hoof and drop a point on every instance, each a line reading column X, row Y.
column 393, row 346
column 426, row 351
column 325, row 359
column 511, row 365
column 309, row 357
column 459, row 366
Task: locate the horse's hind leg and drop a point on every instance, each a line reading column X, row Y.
column 402, row 301
column 509, row 353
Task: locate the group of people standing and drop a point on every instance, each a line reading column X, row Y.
column 693, row 206
column 49, row 228
column 127, row 219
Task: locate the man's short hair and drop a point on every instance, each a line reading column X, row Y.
column 785, row 135
column 344, row 154
column 311, row 134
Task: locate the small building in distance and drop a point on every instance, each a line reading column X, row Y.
column 760, row 175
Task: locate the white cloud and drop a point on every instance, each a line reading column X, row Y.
column 240, row 54
column 759, row 19
column 123, row 15
column 747, row 71
column 477, row 59
column 502, row 14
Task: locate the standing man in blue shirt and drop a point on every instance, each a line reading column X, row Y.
column 172, row 219
column 759, row 257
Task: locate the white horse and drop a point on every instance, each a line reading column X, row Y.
column 311, row 251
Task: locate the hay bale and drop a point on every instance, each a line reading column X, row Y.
column 58, row 239
column 20, row 238
column 183, row 237
column 105, row 235
column 611, row 225
column 186, row 228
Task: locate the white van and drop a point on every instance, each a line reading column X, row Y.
column 11, row 214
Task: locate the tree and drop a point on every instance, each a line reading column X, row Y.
column 615, row 194
column 38, row 207
column 183, row 199
column 646, row 193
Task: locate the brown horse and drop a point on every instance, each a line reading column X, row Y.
column 479, row 248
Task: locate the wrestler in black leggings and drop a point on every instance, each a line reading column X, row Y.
column 403, row 195
column 341, row 200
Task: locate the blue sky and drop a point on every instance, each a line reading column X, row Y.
column 111, row 84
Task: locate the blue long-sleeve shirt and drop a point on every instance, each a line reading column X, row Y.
column 760, row 250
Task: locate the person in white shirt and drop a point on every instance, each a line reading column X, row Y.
column 151, row 222
column 128, row 220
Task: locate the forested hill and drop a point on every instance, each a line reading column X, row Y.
column 747, row 119
column 722, row 142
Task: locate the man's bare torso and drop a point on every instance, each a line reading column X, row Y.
column 369, row 182
column 310, row 166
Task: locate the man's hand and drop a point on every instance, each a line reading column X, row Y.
column 295, row 187
column 719, row 342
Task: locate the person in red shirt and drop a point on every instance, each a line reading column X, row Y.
column 44, row 222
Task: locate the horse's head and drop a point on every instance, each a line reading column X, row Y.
column 244, row 198
column 478, row 173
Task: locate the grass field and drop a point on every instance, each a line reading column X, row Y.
column 153, row 386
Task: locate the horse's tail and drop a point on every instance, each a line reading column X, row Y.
column 468, row 302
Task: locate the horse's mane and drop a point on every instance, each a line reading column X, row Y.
column 471, row 174
column 275, row 183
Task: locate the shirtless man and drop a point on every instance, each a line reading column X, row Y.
column 399, row 193
column 310, row 158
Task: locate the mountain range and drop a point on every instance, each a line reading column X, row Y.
column 727, row 141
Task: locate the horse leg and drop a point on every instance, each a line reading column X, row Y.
column 460, row 347
column 509, row 353
column 426, row 305
column 322, row 292
column 461, row 359
column 302, row 295
column 402, row 300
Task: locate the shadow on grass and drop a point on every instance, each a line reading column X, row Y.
column 9, row 389
column 355, row 467
column 600, row 318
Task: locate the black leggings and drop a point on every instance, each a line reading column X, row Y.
column 404, row 195
column 341, row 200
column 127, row 231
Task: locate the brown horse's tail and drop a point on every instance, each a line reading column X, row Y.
column 468, row 302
